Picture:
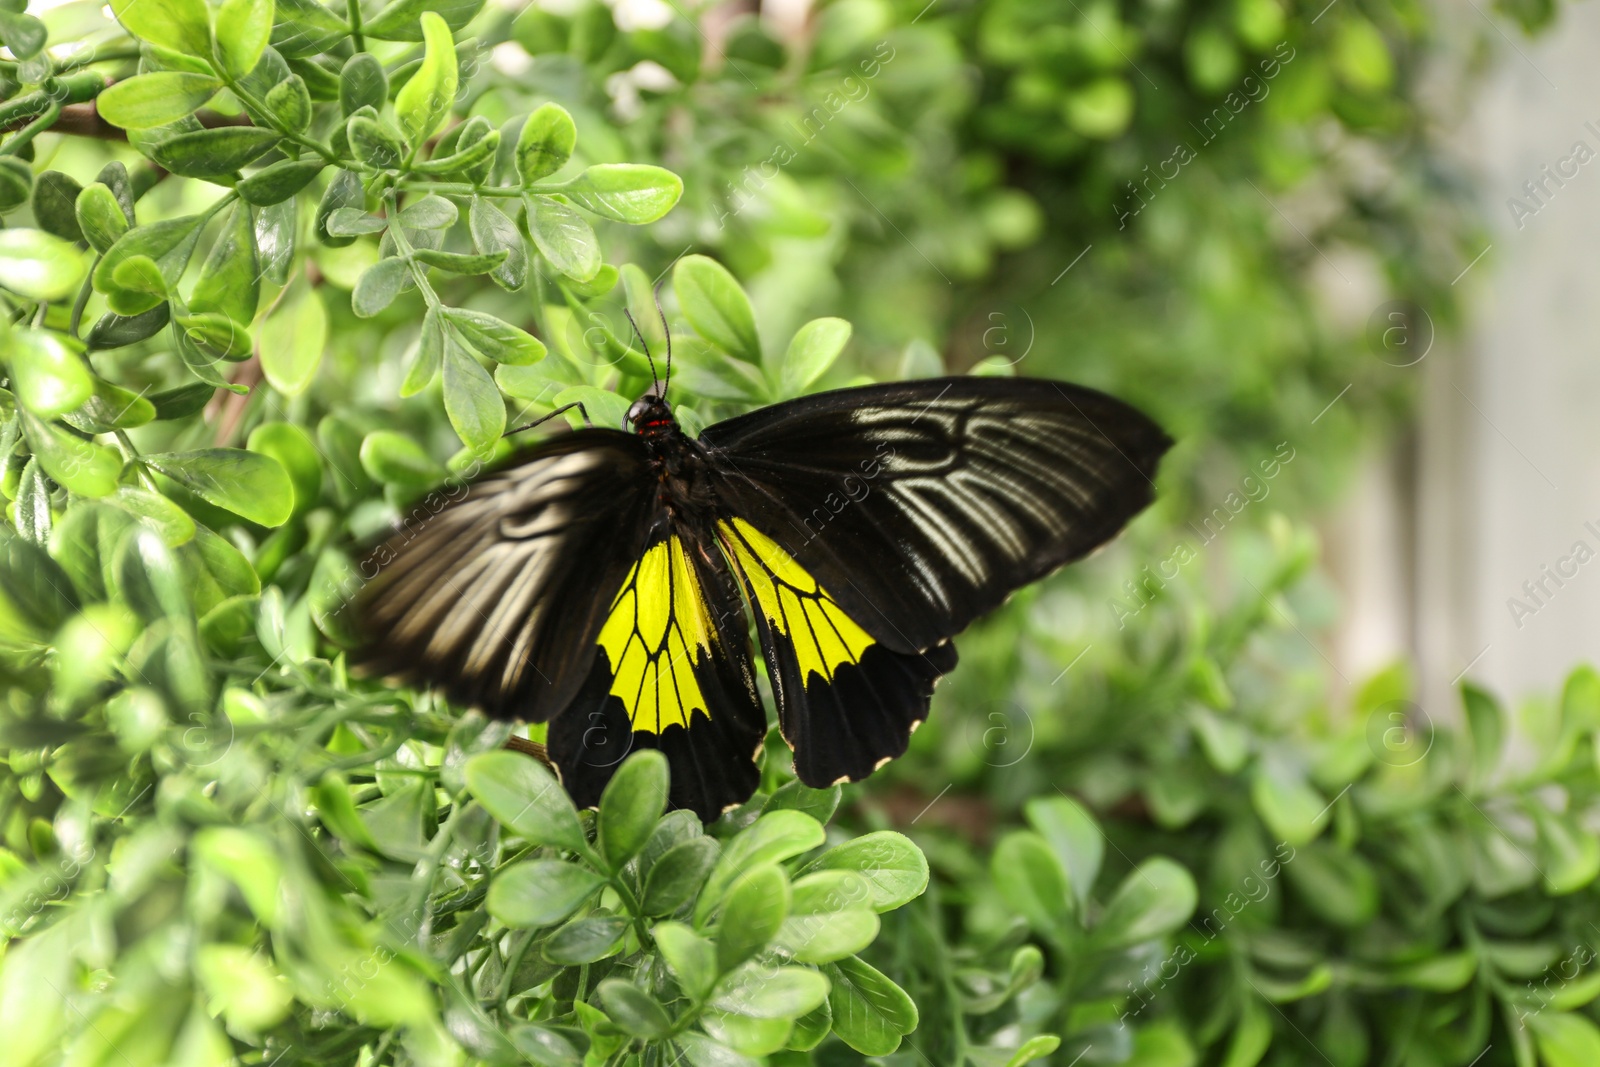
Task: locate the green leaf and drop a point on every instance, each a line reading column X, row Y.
column 1339, row 885
column 424, row 102
column 217, row 336
column 156, row 99
column 169, row 242
column 230, row 279
column 344, row 191
column 183, row 401
column 399, row 20
column 290, row 102
column 429, row 355
column 243, row 986
column 1486, row 724
column 247, row 860
column 491, row 337
column 395, row 459
column 545, row 143
column 563, row 237
column 829, row 918
column 1565, row 1040
column 544, row 1047
column 214, row 153
column 33, row 518
column 294, row 449
column 378, row 285
column 717, row 307
column 184, row 26
column 586, row 940
column 1291, row 808
column 459, row 262
column 353, row 222
column 292, row 338
column 766, row 993
column 373, row 143
column 55, row 196
column 812, row 351
column 429, row 213
column 305, row 28
column 631, row 805
column 254, row 487
column 1039, row 1046
column 603, row 406
column 1073, row 836
column 525, row 798
column 471, row 399
column 111, row 407
column 752, row 913
column 241, row 34
column 48, row 374
column 1569, row 855
column 693, row 958
column 280, row 181
column 362, row 83
column 870, row 1013
column 493, row 231
column 634, row 1010
column 1156, row 898
column 540, row 892
column 624, row 192
column 677, row 876
column 83, row 467
column 39, row 265
column 1032, row 881
column 100, row 217
column 895, row 869
column 473, row 158
column 22, row 33
column 16, row 184
column 774, row 837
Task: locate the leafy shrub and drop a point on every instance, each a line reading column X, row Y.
column 363, row 244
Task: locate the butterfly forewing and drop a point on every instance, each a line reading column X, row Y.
column 922, row 505
column 497, row 596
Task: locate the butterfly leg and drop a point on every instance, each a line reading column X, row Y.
column 546, row 418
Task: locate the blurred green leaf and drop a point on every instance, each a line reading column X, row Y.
column 540, row 892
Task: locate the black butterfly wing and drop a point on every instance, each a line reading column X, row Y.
column 673, row 673
column 871, row 525
column 922, row 505
column 495, row 592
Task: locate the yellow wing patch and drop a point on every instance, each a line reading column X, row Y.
column 659, row 624
column 823, row 636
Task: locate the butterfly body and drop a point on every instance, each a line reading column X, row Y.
column 607, row 581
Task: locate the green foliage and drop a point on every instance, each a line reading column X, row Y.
column 342, row 251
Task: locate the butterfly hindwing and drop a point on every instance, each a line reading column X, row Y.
column 673, row 672
column 497, row 595
column 846, row 702
column 922, row 505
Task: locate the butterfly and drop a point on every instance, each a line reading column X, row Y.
column 602, row 583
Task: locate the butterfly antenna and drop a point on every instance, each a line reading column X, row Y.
column 654, row 377
column 667, row 331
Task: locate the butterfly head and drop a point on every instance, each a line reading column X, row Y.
column 651, row 413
